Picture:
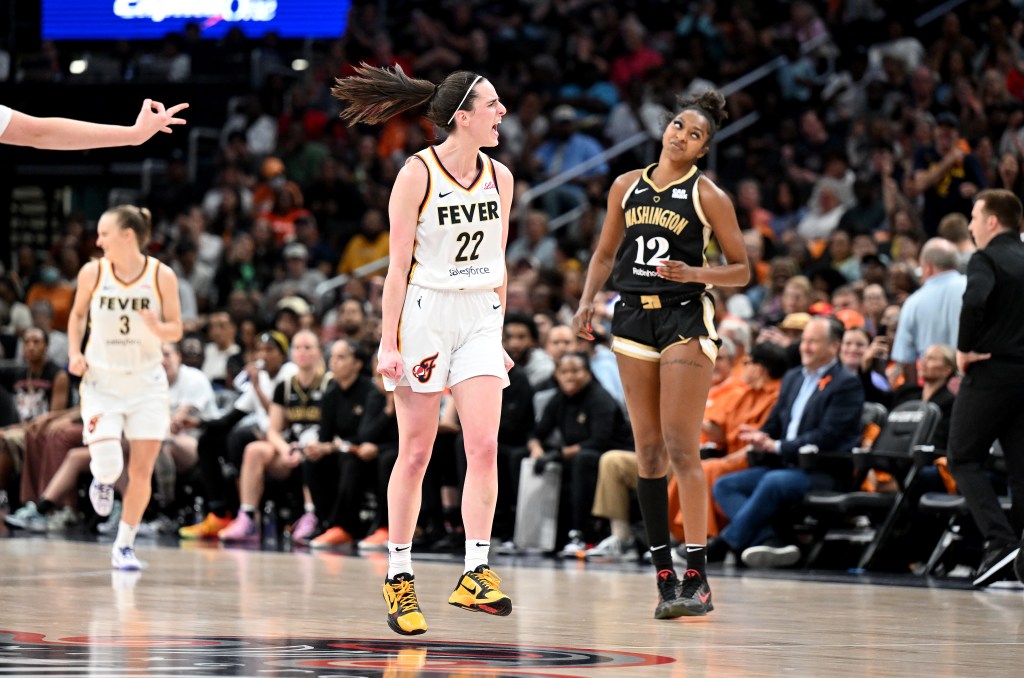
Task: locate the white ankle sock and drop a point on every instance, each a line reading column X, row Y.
column 399, row 559
column 476, row 553
column 309, row 508
column 125, row 535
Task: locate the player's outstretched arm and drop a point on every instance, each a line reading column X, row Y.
column 65, row 134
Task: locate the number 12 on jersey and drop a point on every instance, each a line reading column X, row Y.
column 657, row 245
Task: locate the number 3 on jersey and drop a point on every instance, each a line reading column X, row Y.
column 125, row 326
column 476, row 237
column 658, row 245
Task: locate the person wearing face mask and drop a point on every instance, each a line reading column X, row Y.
column 53, row 289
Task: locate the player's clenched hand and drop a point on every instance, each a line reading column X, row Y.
column 390, row 364
column 76, row 364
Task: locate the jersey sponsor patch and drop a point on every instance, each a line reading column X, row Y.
column 679, row 193
column 424, row 370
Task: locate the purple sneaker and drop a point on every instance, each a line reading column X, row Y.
column 242, row 528
column 304, row 528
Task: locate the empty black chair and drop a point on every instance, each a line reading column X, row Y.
column 907, row 430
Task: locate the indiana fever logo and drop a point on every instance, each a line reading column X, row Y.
column 35, row 654
column 92, row 423
column 425, row 369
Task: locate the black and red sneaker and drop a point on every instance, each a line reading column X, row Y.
column 695, row 595
column 670, row 605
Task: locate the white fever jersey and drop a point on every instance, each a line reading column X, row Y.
column 119, row 340
column 458, row 234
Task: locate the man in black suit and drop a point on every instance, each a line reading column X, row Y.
column 819, row 404
column 990, row 353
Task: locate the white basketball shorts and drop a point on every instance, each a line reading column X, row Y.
column 448, row 336
column 136, row 405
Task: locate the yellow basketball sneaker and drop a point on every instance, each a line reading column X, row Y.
column 478, row 591
column 404, row 616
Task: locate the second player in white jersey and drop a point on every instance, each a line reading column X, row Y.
column 459, row 231
column 119, row 340
column 131, row 304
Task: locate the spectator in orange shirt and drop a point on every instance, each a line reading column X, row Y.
column 747, row 406
column 723, row 381
column 52, row 288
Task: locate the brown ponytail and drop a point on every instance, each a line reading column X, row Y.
column 375, row 95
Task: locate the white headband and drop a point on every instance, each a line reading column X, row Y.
column 464, row 98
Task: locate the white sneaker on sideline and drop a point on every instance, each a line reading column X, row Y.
column 612, row 549
column 575, row 547
column 28, row 518
column 63, row 519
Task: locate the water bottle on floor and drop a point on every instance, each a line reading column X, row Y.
column 270, row 523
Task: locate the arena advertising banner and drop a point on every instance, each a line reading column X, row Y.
column 153, row 19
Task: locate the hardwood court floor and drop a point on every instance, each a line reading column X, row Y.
column 213, row 611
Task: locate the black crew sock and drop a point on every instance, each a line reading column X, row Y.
column 45, row 506
column 696, row 558
column 653, row 496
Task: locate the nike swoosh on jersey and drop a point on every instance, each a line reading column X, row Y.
column 444, row 195
column 640, row 190
column 495, row 308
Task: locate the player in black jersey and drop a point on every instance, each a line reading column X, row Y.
column 660, row 219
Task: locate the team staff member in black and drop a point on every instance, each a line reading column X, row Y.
column 660, row 220
column 990, row 353
column 346, row 463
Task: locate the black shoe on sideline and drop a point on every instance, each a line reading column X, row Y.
column 996, row 564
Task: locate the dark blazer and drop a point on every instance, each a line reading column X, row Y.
column 831, row 418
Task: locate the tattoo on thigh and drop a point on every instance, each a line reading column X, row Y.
column 685, row 362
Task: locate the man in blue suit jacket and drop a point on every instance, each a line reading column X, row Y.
column 819, row 404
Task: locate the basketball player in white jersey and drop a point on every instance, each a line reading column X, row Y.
column 131, row 304
column 63, row 134
column 443, row 308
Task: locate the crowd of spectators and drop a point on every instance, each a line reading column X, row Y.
column 853, row 185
